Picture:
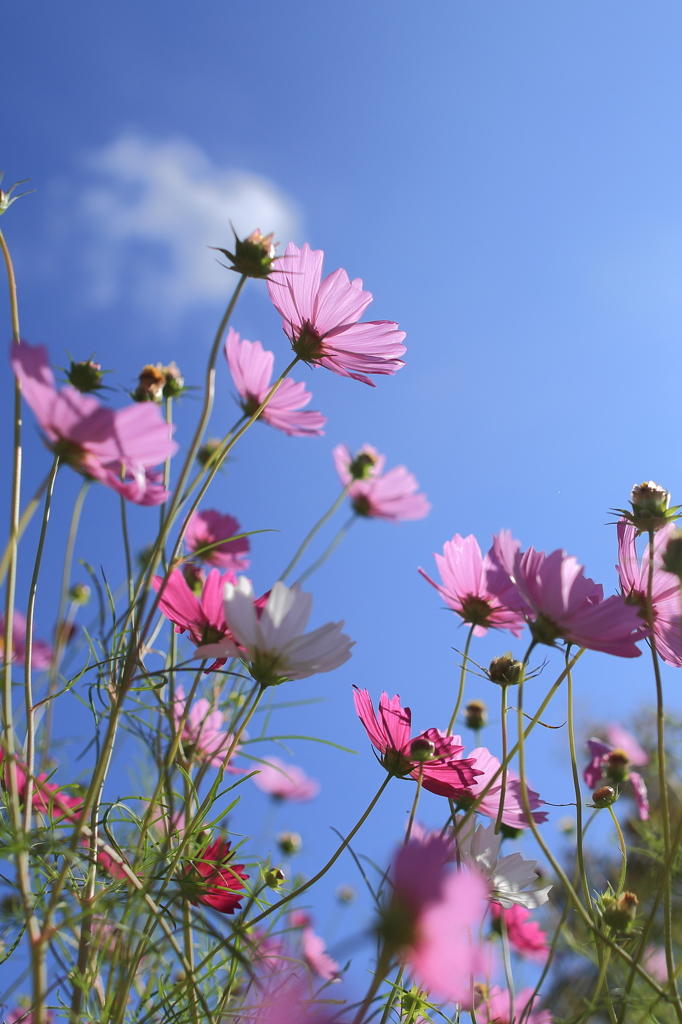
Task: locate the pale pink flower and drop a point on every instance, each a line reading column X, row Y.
column 620, row 737
column 203, row 736
column 205, row 529
column 289, row 1002
column 21, row 1015
column 609, row 764
column 440, row 913
column 41, row 652
column 568, row 606
column 665, row 589
column 479, row 588
column 285, row 781
column 320, row 318
column 496, row 1008
column 436, row 756
column 251, row 368
column 316, row 957
column 115, row 447
column 513, row 813
column 202, row 617
column 394, row 495
column 525, row 935
column 654, row 961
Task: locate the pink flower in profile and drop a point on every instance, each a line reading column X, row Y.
column 41, row 652
column 203, row 736
column 48, row 798
column 251, row 369
column 115, row 447
column 525, row 935
column 285, row 781
column 436, row 756
column 479, row 588
column 498, row 1004
column 620, row 737
column 610, row 764
column 320, row 318
column 665, row 589
column 433, row 919
column 20, row 1015
column 568, row 606
column 316, row 957
column 202, row 617
column 513, row 813
column 214, row 881
column 205, row 529
column 394, row 495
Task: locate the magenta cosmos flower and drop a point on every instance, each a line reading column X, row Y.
column 317, row 958
column 436, row 756
column 568, row 606
column 115, row 447
column 285, row 781
column 320, row 318
column 213, row 880
column 202, row 736
column 202, row 617
column 251, row 368
column 513, row 813
column 478, row 588
column 611, row 764
column 526, row 937
column 433, row 918
column 393, row 495
column 499, row 1007
column 41, row 653
column 48, row 798
column 665, row 589
column 204, row 531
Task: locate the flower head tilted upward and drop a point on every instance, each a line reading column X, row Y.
column 394, row 495
column 320, row 318
column 273, row 643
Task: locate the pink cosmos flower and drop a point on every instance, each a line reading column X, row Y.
column 285, row 781
column 251, row 369
column 610, row 764
column 665, row 589
column 439, row 913
column 436, row 756
column 202, row 736
column 393, row 495
column 654, row 961
column 202, row 617
column 617, row 736
column 48, row 798
column 206, row 528
column 41, row 653
column 498, row 1004
column 316, row 956
column 214, row 881
column 289, row 1002
column 20, row 1015
column 525, row 935
column 479, row 588
column 320, row 318
column 569, row 606
column 513, row 814
column 115, row 447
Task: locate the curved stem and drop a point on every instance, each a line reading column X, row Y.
column 462, row 680
column 503, row 791
column 318, row 526
column 382, row 968
column 329, row 550
column 623, row 852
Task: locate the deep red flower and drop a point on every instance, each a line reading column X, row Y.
column 214, row 880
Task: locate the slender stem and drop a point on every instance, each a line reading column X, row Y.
column 462, row 680
column 26, row 517
column 576, row 787
column 188, row 935
column 506, row 956
column 318, row 526
column 415, row 804
column 329, row 550
column 623, row 852
column 126, row 548
column 382, row 968
column 503, row 791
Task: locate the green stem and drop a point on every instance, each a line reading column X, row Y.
column 126, row 548
column 318, row 526
column 415, row 804
column 503, row 791
column 382, row 968
column 506, row 956
column 187, row 931
column 329, row 550
column 462, row 680
column 623, row 852
column 26, row 517
column 578, row 793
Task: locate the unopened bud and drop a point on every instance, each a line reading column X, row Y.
column 252, row 256
column 175, row 382
column 412, row 1004
column 150, row 384
column 604, row 796
column 505, row 671
column 289, row 843
column 672, row 556
column 274, row 878
column 650, row 506
column 6, row 198
column 80, row 593
column 620, row 914
column 421, row 749
column 475, row 715
column 207, row 453
column 566, row 825
column 85, row 376
column 617, row 765
column 346, row 894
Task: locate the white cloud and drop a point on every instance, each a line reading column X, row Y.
column 151, row 209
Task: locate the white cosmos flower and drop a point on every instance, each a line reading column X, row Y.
column 510, row 878
column 276, row 646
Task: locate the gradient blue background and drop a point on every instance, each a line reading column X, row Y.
column 505, row 177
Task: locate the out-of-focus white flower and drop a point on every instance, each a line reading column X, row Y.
column 510, row 877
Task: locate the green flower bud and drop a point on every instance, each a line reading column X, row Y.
column 422, row 749
column 475, row 715
column 207, row 452
column 85, row 376
column 289, row 843
column 346, row 894
column 650, row 510
column 616, row 768
column 252, row 256
column 274, row 878
column 605, row 796
column 6, row 198
column 505, row 671
column 150, row 384
column 620, row 912
column 80, row 593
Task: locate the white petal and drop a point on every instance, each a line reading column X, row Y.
column 320, row 651
column 240, row 613
column 223, row 649
column 284, row 617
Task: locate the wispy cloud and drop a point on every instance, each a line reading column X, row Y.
column 150, row 210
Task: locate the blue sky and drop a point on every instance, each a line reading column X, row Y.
column 505, row 177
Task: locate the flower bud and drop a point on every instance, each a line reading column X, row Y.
column 616, row 768
column 150, row 384
column 604, row 796
column 80, row 593
column 505, row 671
column 421, row 749
column 85, row 376
column 566, row 825
column 346, row 894
column 620, row 913
column 650, row 506
column 672, row 556
column 175, row 382
column 252, row 256
column 289, row 843
column 207, row 453
column 413, row 1005
column 362, row 464
column 274, row 878
column 6, row 198
column 475, row 715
